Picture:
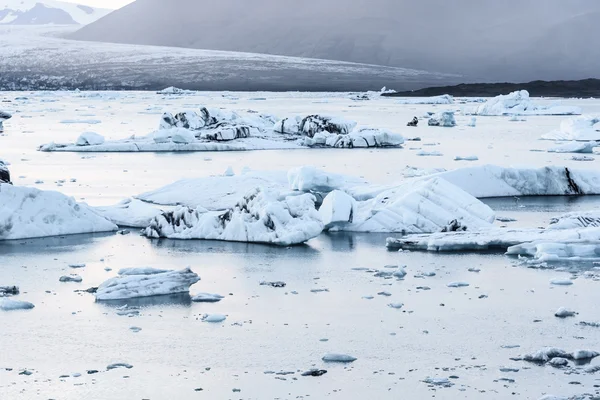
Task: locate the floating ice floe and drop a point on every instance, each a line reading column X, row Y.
column 492, row 239
column 466, row 158
column 130, row 213
column 494, row 181
column 213, row 318
column 341, row 358
column 444, row 119
column 260, row 217
column 146, row 283
column 174, row 90
column 4, row 173
column 543, row 251
column 519, row 103
column 71, row 278
column 89, row 139
column 576, row 220
column 32, row 213
column 420, row 206
column 207, row 298
column 575, row 147
column 443, row 99
column 223, row 130
column 13, row 305
column 583, row 128
column 564, row 313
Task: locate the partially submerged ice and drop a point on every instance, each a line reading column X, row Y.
column 419, row 206
column 32, row 213
column 584, row 128
column 13, row 305
column 4, row 116
column 146, row 283
column 519, row 103
column 444, row 119
column 4, row 173
column 260, row 217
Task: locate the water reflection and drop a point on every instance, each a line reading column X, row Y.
column 558, row 204
column 51, row 245
column 174, row 300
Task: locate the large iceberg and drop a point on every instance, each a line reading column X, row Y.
column 583, row 128
column 262, row 216
column 418, row 206
column 32, row 213
column 493, row 181
column 146, row 282
column 519, row 103
column 443, row 99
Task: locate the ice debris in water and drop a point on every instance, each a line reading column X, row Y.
column 6, row 291
column 12, row 305
column 443, row 119
column 207, row 298
column 214, row 318
column 119, row 365
column 564, row 313
column 71, row 278
column 341, row 358
column 457, row 284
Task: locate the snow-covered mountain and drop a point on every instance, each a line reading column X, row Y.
column 45, row 12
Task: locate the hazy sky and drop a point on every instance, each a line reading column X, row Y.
column 102, row 3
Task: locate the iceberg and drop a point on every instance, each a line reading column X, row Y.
column 491, row 239
column 361, row 138
column 583, row 128
column 4, row 116
column 493, row 181
column 145, row 284
column 171, row 90
column 262, row 216
column 444, row 119
column 130, row 213
column 32, row 213
column 443, row 99
column 4, row 173
column 312, row 124
column 543, row 251
column 418, row 206
column 519, row 103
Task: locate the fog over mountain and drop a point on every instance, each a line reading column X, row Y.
column 483, row 40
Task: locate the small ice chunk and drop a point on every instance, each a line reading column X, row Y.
column 397, row 306
column 229, row 172
column 546, row 354
column 564, row 313
column 77, row 265
column 89, row 139
column 466, row 158
column 341, row 358
column 213, row 318
column 445, row 382
column 207, row 298
column 277, row 284
column 12, row 305
column 585, row 354
column 561, row 282
column 119, row 365
column 558, row 362
column 457, row 284
column 70, row 278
